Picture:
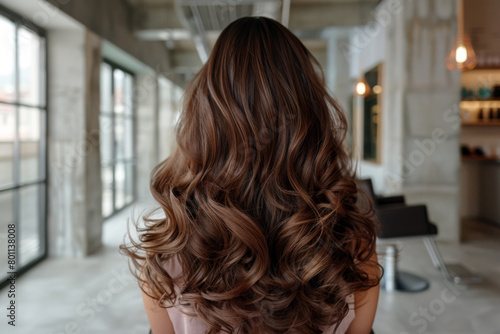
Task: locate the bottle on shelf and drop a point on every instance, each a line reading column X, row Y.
column 480, row 115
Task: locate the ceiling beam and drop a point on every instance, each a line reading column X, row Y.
column 303, row 15
column 155, row 17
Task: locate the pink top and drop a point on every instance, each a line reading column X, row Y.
column 184, row 324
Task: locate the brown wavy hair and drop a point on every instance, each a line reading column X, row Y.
column 259, row 197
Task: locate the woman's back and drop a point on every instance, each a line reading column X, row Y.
column 259, row 197
column 185, row 324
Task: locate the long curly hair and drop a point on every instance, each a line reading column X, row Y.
column 259, row 197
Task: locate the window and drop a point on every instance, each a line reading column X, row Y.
column 117, row 139
column 23, row 152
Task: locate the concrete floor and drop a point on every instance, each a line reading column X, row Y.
column 445, row 308
column 98, row 295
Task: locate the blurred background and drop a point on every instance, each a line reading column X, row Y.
column 90, row 94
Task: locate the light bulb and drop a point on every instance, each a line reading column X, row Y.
column 361, row 88
column 461, row 54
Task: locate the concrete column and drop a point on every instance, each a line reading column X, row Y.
column 431, row 158
column 74, row 214
column 93, row 186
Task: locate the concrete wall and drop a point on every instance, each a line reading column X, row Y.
column 420, row 123
column 382, row 41
column 337, row 68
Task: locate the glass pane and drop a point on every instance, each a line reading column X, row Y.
column 106, row 138
column 176, row 103
column 165, row 117
column 29, row 134
column 129, row 183
column 119, row 137
column 106, row 90
column 7, row 60
column 29, row 124
column 106, row 125
column 7, row 136
column 119, row 185
column 30, row 246
column 30, row 161
column 107, row 190
column 6, row 218
column 118, row 90
column 29, row 67
column 129, row 138
column 166, row 89
column 127, row 94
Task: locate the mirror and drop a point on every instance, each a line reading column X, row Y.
column 372, row 109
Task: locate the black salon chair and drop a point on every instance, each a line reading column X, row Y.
column 392, row 211
column 396, row 221
column 400, row 221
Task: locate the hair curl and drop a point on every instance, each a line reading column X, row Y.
column 259, row 196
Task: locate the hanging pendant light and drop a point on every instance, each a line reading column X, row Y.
column 462, row 56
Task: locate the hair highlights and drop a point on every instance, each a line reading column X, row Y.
column 259, row 196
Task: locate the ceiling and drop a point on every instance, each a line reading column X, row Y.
column 311, row 2
column 190, row 27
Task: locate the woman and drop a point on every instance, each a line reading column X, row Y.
column 262, row 231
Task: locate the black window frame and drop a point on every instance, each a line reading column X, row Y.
column 21, row 22
column 133, row 160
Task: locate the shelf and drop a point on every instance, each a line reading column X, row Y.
column 480, row 159
column 484, row 123
column 480, row 100
column 484, row 68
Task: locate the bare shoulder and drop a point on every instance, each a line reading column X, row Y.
column 366, row 304
column 158, row 317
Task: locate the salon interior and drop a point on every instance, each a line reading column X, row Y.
column 90, row 94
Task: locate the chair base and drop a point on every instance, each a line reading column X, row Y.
column 452, row 272
column 408, row 282
column 405, row 282
column 461, row 275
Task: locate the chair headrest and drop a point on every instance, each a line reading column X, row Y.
column 367, row 187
